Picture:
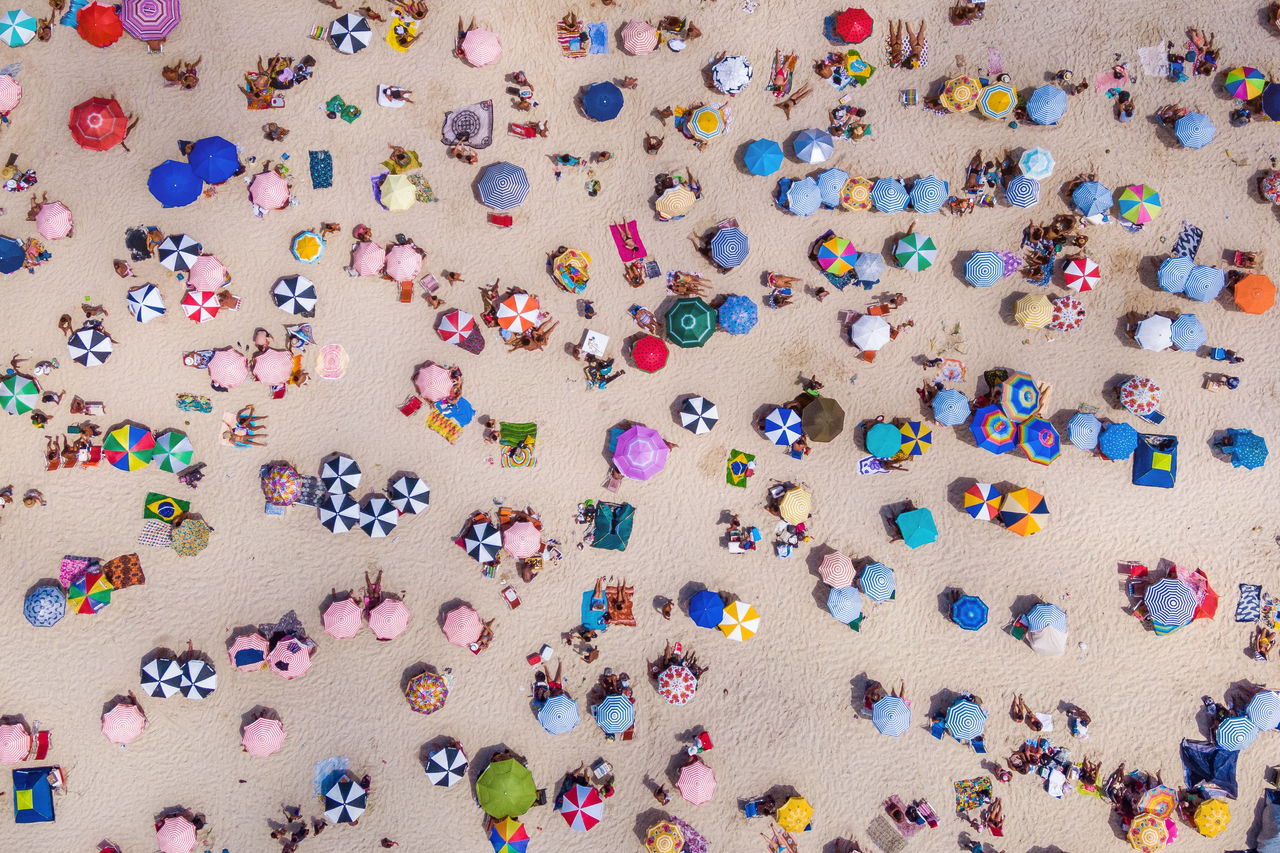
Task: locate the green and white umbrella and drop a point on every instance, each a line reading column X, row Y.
column 17, row 28
column 915, row 252
column 19, row 394
column 173, row 451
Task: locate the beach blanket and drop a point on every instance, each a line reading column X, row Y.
column 573, row 43
column 1250, row 607
column 1154, row 60
column 739, row 467
column 1107, row 80
column 135, row 240
column 599, row 36
column 620, row 233
column 123, row 571
column 156, row 534
column 995, row 61
column 194, row 403
column 592, row 620
column 396, row 168
column 1188, row 242
column 163, row 507
column 515, row 435
column 320, row 164
column 906, row 50
column 472, row 124
column 871, row 465
column 518, row 457
column 447, row 428
column 72, row 569
column 311, row 491
column 973, row 793
column 906, row 828
column 884, row 836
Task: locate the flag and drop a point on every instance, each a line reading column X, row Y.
column 163, row 507
column 739, row 468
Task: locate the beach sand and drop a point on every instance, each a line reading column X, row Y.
column 780, row 707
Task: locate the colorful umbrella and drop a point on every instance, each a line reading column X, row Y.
column 853, row 25
column 993, row 430
column 917, row 437
column 696, row 783
column 836, row 570
column 961, row 94
column 1039, row 440
column 915, row 252
column 1254, row 294
column 640, row 452
column 737, row 314
column 173, row 451
column 856, row 194
column 997, row 100
column 1033, row 311
column 89, row 593
column 17, row 28
column 190, row 537
column 969, row 612
column 200, row 306
column 509, row 836
column 281, row 484
column 1019, row 396
column 836, row 255
column 1140, row 395
column 982, row 501
column 1068, row 314
column 581, row 807
column 426, row 693
column 503, row 186
column 1139, row 203
column 690, row 322
column 150, row 20
column 639, row 37
column 1160, row 801
column 1244, row 83
column 1148, row 833
column 307, row 247
column 891, row 715
column 1036, row 163
column 740, row 621
column 129, row 447
column 705, row 123
column 664, row 837
column 1212, row 817
column 1024, row 511
column 883, row 440
column 519, row 313
column 677, row 684
column 1118, row 441
column 1081, row 274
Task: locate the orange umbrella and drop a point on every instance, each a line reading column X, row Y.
column 98, row 123
column 99, row 25
column 1255, row 294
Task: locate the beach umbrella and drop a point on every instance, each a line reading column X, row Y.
column 729, row 247
column 1022, row 191
column 1118, row 441
column 503, row 186
column 1081, row 274
column 54, row 220
column 665, row 836
column 408, row 494
column 853, row 25
column 1212, row 817
column 44, row 606
column 581, row 807
column 883, row 440
column 214, row 159
column 396, row 192
column 993, row 430
column 675, row 202
column 1148, row 833
column 1033, row 311
column 98, row 24
column 344, row 801
column 150, row 20
column 281, row 484
column 482, row 541
column 836, row 570
column 1236, row 733
column 763, row 157
column 740, row 621
column 783, row 426
column 737, row 315
column 706, row 609
column 200, row 306
column 1254, row 294
column 462, row 626
column 1047, row 105
column 10, row 93
column 690, row 322
column 1039, row 440
column 1194, row 130
column 433, row 382
column 446, row 766
column 339, row 513
column 1173, row 273
column 796, row 505
column 803, row 197
column 982, row 501
column 389, row 619
column 343, row 618
column 426, row 694
column 1139, row 203
column 822, row 419
column 696, row 783
column 263, row 737
column 176, row 835
column 505, row 789
column 869, row 267
column 1024, row 511
column 173, row 451
column 795, row 814
column 522, row 539
column 350, row 33
column 1043, row 616
column 519, row 313
column 965, row 719
column 89, row 593
column 615, row 714
column 961, row 94
column 889, row 195
column 480, row 47
column 228, row 368
column 98, row 124
column 129, row 447
column 198, row 679
column 1083, row 430
column 1263, row 710
column 830, row 183
column 207, row 273
column 1204, row 283
column 1271, row 101
column 698, row 415
column 1171, row 603
column 929, row 194
column 1019, row 396
column 1247, row 450
column 877, row 582
column 997, row 100
column 1068, row 314
column 639, row 37
column 836, row 255
column 891, row 715
column 122, row 724
column 559, row 715
column 377, row 516
column 1188, row 333
column 602, row 101
column 856, row 194
column 983, row 269
column 969, row 612
column 174, row 184
column 248, row 652
column 915, row 252
column 509, row 836
column 272, row 366
column 813, row 145
column 1244, row 83
column 950, row 408
column 640, row 452
column 1036, row 163
column 269, row 190
column 340, row 473
column 731, row 74
column 844, row 603
column 456, row 326
column 706, row 123
column 89, row 346
column 161, row 678
column 178, row 253
column 307, row 247
column 16, row 28
column 1140, row 395
column 190, row 537
column 1154, row 333
column 1092, row 198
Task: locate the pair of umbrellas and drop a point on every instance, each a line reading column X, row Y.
column 164, row 677
column 1158, row 333
column 376, row 515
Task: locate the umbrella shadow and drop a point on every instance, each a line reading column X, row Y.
column 1216, row 437
column 646, row 819
column 677, row 761
column 21, row 719
column 956, row 489
column 1009, row 307
column 157, row 653
column 947, row 597
column 740, row 159
column 1111, row 390
column 1149, row 271
column 413, row 671
column 939, row 702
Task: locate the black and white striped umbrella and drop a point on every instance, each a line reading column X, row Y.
column 345, row 801
column 89, row 346
column 409, row 494
column 162, row 678
column 350, row 33
column 339, row 474
column 178, row 252
column 295, row 294
column 698, row 415
column 339, row 513
column 377, row 516
column 198, row 679
column 482, row 541
column 446, row 767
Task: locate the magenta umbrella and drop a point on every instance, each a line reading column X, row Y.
column 640, row 453
column 150, row 20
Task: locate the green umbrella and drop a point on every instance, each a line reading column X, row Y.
column 690, row 321
column 17, row 28
column 173, row 451
column 915, row 252
column 505, row 789
column 884, row 440
column 19, row 394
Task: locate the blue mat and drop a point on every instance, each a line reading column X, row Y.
column 592, row 619
column 599, row 35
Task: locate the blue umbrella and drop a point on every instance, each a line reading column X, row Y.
column 44, row 606
column 1118, row 441
column 1188, row 333
column 869, row 267
column 950, row 407
column 1205, row 283
column 889, row 195
column 175, row 184
column 813, row 145
column 729, row 247
column 929, row 194
column 803, row 197
column 1092, row 198
column 969, row 612
column 503, row 186
column 763, row 157
column 965, row 719
column 877, row 582
column 1022, row 191
column 706, row 609
column 615, row 714
column 1271, row 101
column 1264, row 710
column 214, row 159
column 602, row 101
column 737, row 315
column 845, row 604
column 782, row 426
column 830, row 183
column 891, row 716
column 1173, row 273
column 559, row 715
column 1045, row 616
column 917, row 527
column 1047, row 105
column 1171, row 604
column 1236, row 733
column 1083, row 430
column 1247, row 450
column 1194, row 130
column 12, row 255
column 983, row 269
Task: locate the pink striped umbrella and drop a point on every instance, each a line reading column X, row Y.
column 228, row 368
column 269, row 191
column 522, row 539
column 342, row 619
column 462, row 626
column 200, row 305
column 368, row 259
column 15, row 743
column 481, row 47
column 207, row 273
column 639, row 37
column 389, row 619
column 836, row 570
column 696, row 783
column 150, row 20
column 433, row 382
column 53, row 221
column 10, row 94
column 263, row 737
column 248, row 652
column 404, row 262
column 272, row 367
column 290, row 658
column 124, row 723
column 176, row 835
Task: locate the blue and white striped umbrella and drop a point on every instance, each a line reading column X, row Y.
column 1235, row 733
column 1118, row 441
column 145, row 303
column 1205, row 283
column 813, row 146
column 891, row 716
column 929, row 194
column 559, row 715
column 782, row 426
column 844, row 603
column 1264, row 710
column 950, row 407
column 729, row 247
column 1047, row 105
column 803, row 197
column 965, row 719
column 889, row 195
column 1173, row 273
column 877, row 582
column 1022, row 191
column 1083, row 430
column 1188, row 333
column 1045, row 616
column 830, row 183
column 1194, row 130
column 615, row 714
column 1170, row 602
column 503, row 186
column 1092, row 198
column 983, row 269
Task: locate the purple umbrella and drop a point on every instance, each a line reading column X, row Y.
column 640, row 453
column 150, row 20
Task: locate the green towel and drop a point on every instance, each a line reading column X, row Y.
column 514, row 435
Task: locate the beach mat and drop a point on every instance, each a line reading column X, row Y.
column 884, row 836
column 155, row 534
column 599, row 35
column 320, row 165
column 447, row 428
column 1250, row 607
column 514, row 435
column 739, row 467
column 472, row 125
column 124, row 571
column 619, row 233
column 972, row 793
column 519, row 457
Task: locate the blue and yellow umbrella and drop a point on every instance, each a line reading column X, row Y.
column 1039, row 440
column 917, row 437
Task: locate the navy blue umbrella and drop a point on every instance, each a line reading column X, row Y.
column 706, row 609
column 602, row 101
column 504, row 186
column 11, row 255
column 175, row 184
column 214, row 159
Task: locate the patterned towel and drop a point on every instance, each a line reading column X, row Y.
column 1250, row 607
column 156, row 534
column 124, row 571
column 599, row 36
column 321, row 166
column 310, row 492
column 995, row 62
column 906, row 828
column 1188, row 242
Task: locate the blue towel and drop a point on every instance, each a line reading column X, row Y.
column 591, row 619
column 599, row 35
column 321, row 167
column 1250, row 607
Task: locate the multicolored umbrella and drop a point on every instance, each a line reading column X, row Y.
column 89, row 593
column 190, row 537
column 200, row 306
column 1081, row 274
column 1160, row 801
column 677, row 684
column 836, row 255
column 150, row 20
column 519, row 313
column 969, row 612
column 1019, row 396
column 917, row 437
column 1140, row 395
column 509, row 836
column 1033, row 311
column 307, row 247
column 997, row 100
column 446, row 766
column 664, row 837
column 915, row 252
column 581, row 807
column 281, row 484
column 129, row 447
column 992, row 430
column 1024, row 511
column 740, row 621
column 1039, row 440
column 1068, row 314
column 426, row 692
column 1244, row 83
column 856, row 194
column 1118, row 441
column 961, row 94
column 1148, row 833
column 982, row 501
column 877, row 581
column 1139, row 203
column 173, row 451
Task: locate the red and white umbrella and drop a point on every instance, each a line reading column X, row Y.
column 404, row 262
column 248, row 652
column 343, row 619
column 124, row 723
column 228, row 368
column 200, row 305
column 269, row 191
column 10, row 94
column 677, row 684
column 207, row 273
column 273, row 367
column 481, row 47
column 522, row 539
column 519, row 313
column 263, row 737
column 639, row 37
column 15, row 743
column 836, row 570
column 53, row 221
column 696, row 783
column 368, row 258
column 176, row 835
column 1068, row 314
column 462, row 626
column 1081, row 274
column 581, row 807
column 389, row 619
column 290, row 658
column 433, row 382
column 455, row 326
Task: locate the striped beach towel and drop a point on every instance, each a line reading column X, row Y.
column 515, row 435
column 572, row 43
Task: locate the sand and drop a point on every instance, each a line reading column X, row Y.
column 779, row 707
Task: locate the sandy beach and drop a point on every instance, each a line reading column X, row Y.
column 781, row 707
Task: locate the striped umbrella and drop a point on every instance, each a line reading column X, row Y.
column 639, row 37
column 368, row 259
column 1244, row 83
column 343, row 619
column 993, row 430
column 965, row 719
column 997, row 100
column 272, row 366
column 15, row 743
column 455, row 326
column 1092, row 198
column 16, row 28
column 1118, row 441
column 521, row 539
column 877, row 582
column 845, row 604
column 696, row 783
column 10, row 94
column 89, row 346
column 1045, row 616
column 917, row 437
column 307, row 247
column 796, row 505
column 1236, row 733
column 176, row 835
column 1033, row 311
column 150, row 20
column 263, row 737
column 915, row 252
column 706, row 123
column 1264, row 710
column 729, row 247
column 269, row 190
column 295, row 294
column 1204, row 283
column 983, row 269
column 446, row 766
column 1194, row 130
column 1140, row 395
column 1171, row 604
column 1024, row 511
column 836, row 255
column 891, row 715
column 480, row 47
column 129, row 447
column 982, row 501
column 248, row 652
column 812, row 146
column 178, row 253
column 503, row 186
column 1039, row 440
column 389, row 619
column 1081, row 274
column 559, row 715
column 200, row 306
column 889, row 195
column 433, row 382
column 345, row 801
column 803, row 197
column 1068, row 314
column 228, row 368
column 1139, row 203
column 1019, row 396
column 1188, row 333
column 339, row 513
column 124, row 723
column 969, row 612
column 830, row 183
column 1022, row 191
column 582, row 807
column 856, row 194
column 1036, row 163
column 207, row 273
column 740, row 621
column 290, row 658
column 929, row 194
column 836, row 570
column 1047, row 105
column 615, row 714
column 519, row 312
column 675, row 202
column 1083, row 430
column 53, row 220
column 1173, row 273
column 950, row 407
column 961, row 94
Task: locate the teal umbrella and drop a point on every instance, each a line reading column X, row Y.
column 17, row 28
column 917, row 527
column 884, row 440
column 1247, row 450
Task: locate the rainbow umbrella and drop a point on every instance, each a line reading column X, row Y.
column 1019, row 396
column 1139, row 203
column 1039, row 440
column 1160, row 801
column 1244, row 83
column 856, row 194
column 836, row 255
column 993, row 430
column 509, row 836
column 129, row 447
column 90, row 593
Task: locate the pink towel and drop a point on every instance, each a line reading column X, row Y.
column 619, row 233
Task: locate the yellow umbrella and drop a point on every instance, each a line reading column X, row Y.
column 675, row 202
column 961, row 94
column 856, row 193
column 795, row 814
column 740, row 621
column 398, row 192
column 664, row 837
column 1034, row 311
column 1212, row 816
column 795, row 506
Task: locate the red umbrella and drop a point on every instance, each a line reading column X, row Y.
column 15, row 743
column 462, row 626
column 99, row 25
column 650, row 354
column 389, row 619
column 10, row 94
column 433, row 382
column 290, row 658
column 404, row 262
column 853, row 25
column 98, row 123
column 200, row 305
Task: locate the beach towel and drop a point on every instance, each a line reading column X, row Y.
column 320, row 164
column 69, row 17
column 599, row 36
column 739, row 467
column 515, row 435
column 1107, row 80
column 884, row 836
column 396, row 168
column 123, row 571
column 472, row 125
column 310, row 491
column 518, row 457
column 135, row 240
column 1250, row 607
column 973, row 793
column 1055, row 784
column 1154, row 60
column 1188, row 242
column 620, row 233
column 871, row 465
column 155, row 534
column 72, row 569
column 573, row 43
column 995, row 62
column 163, row 507
column 447, row 428
column 906, row 828
column 194, row 403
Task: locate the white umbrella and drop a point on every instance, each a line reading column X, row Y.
column 731, row 74
column 1155, row 333
column 869, row 333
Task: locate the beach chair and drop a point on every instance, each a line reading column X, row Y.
column 979, row 745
